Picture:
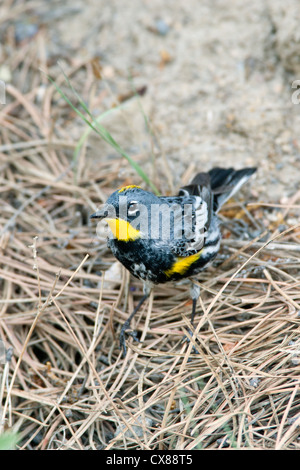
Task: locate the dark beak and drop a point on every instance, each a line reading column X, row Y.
column 100, row 214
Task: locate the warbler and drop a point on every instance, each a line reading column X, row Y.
column 161, row 239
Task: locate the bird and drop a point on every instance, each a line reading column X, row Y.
column 162, row 239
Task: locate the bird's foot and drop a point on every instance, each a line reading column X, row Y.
column 124, row 332
column 187, row 339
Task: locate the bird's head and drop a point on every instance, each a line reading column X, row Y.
column 127, row 212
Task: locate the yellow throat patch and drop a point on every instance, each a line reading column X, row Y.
column 122, row 230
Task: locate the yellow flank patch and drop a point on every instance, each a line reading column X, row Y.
column 122, row 230
column 182, row 264
column 128, row 187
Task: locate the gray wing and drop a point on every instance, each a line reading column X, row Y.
column 191, row 219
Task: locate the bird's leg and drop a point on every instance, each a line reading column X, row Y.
column 126, row 325
column 194, row 293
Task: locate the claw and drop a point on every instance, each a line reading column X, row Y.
column 126, row 326
column 123, row 334
column 187, row 340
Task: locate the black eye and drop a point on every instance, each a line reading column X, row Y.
column 133, row 208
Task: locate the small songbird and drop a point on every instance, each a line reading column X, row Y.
column 168, row 238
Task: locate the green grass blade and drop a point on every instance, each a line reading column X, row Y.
column 8, row 440
column 94, row 124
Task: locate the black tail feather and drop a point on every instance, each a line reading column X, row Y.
column 225, row 182
column 221, row 182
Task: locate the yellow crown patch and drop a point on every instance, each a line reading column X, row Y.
column 131, row 186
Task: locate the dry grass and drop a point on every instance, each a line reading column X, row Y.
column 65, row 384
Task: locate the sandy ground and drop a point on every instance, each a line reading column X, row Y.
column 218, row 77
